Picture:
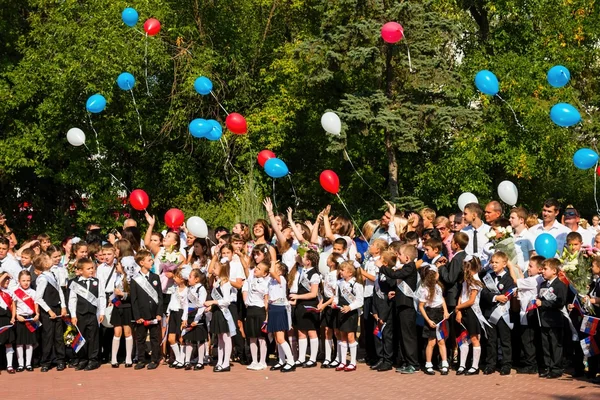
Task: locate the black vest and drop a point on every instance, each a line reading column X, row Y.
column 84, row 306
column 343, row 302
column 309, row 274
column 51, row 296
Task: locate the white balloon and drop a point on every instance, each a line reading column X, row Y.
column 465, row 199
column 76, row 137
column 197, row 227
column 331, row 123
column 508, row 192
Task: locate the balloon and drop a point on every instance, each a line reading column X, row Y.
column 392, row 32
column 152, row 26
column 331, row 123
column 129, row 16
column 545, row 245
column 139, row 199
column 276, row 168
column 76, row 137
column 330, row 181
column 199, row 128
column 203, row 85
column 197, row 227
column 174, row 218
column 565, row 115
column 508, row 192
column 236, row 123
column 598, row 171
column 126, row 81
column 265, row 155
column 487, row 82
column 558, row 76
column 585, row 158
column 96, row 103
column 216, row 130
column 465, row 199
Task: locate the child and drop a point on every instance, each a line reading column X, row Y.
column 50, row 298
column 177, row 312
column 593, row 297
column 57, row 269
column 7, row 337
column 79, row 250
column 27, row 258
column 147, row 309
column 25, row 311
column 550, row 301
column 468, row 314
column 86, row 305
column 349, row 299
column 237, row 276
column 496, row 306
column 106, row 274
column 255, row 293
column 279, row 320
column 433, row 251
column 433, row 309
column 199, row 257
column 121, row 316
column 307, row 323
column 196, row 335
column 329, row 314
column 44, row 240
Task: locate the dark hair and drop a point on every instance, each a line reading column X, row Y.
column 4, row 241
column 245, row 231
column 266, row 229
column 205, row 250
column 132, row 233
column 539, row 260
column 177, row 239
column 82, row 262
column 262, row 249
column 410, row 236
column 475, row 208
column 574, row 236
column 500, row 223
column 552, row 263
column 28, row 252
column 434, row 244
column 24, row 272
column 341, row 241
column 51, row 249
column 201, row 277
column 552, row 203
column 461, row 239
column 221, row 229
column 313, row 257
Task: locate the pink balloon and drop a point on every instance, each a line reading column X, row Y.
column 392, row 32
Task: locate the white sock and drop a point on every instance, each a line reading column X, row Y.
column 9, row 355
column 20, row 355
column 338, row 356
column 281, row 353
column 263, row 350
column 285, row 349
column 328, row 348
column 302, row 344
column 206, row 350
column 343, row 352
column 175, row 348
column 28, row 354
column 227, row 349
column 476, row 355
column 220, row 350
column 445, row 363
column 128, row 349
column 294, row 346
column 314, row 349
column 115, row 349
column 353, row 349
column 254, row 350
column 428, row 364
column 464, row 353
column 201, row 348
column 189, row 349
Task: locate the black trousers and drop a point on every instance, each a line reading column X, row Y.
column 552, row 344
column 451, row 339
column 384, row 346
column 52, row 338
column 531, row 347
column 408, row 348
column 499, row 333
column 88, row 326
column 369, row 326
column 141, row 333
column 239, row 341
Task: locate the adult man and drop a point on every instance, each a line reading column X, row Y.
column 129, row 222
column 571, row 220
column 550, row 225
column 475, row 230
column 493, row 211
column 523, row 238
column 457, row 222
column 382, row 230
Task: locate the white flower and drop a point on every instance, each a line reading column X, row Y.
column 509, row 229
column 491, row 234
column 172, row 257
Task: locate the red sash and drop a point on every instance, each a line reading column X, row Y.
column 25, row 298
column 7, row 299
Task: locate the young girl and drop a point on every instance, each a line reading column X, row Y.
column 279, row 321
column 329, row 315
column 79, row 250
column 122, row 315
column 8, row 336
column 262, row 235
column 177, row 312
column 349, row 298
column 260, row 253
column 469, row 315
column 433, row 309
column 199, row 257
column 285, row 238
column 26, row 312
column 255, row 293
column 222, row 323
column 196, row 335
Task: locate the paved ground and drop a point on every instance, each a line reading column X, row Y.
column 312, row 384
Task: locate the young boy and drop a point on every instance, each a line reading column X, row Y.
column 86, row 305
column 433, row 250
column 95, row 251
column 27, row 258
column 550, row 301
column 147, row 308
column 383, row 312
column 51, row 301
column 9, row 264
column 496, row 306
column 106, row 275
column 428, row 216
column 406, row 313
column 44, row 240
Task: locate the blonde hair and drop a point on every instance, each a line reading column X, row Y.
column 428, row 213
column 400, row 224
column 369, row 227
column 532, row 220
column 348, row 265
column 380, row 244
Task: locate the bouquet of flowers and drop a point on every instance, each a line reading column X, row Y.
column 304, row 247
column 502, row 240
column 69, row 335
column 576, row 265
column 169, row 260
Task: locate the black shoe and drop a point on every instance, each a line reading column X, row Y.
column 20, row 369
column 198, row 367
column 115, row 365
column 325, row 364
column 376, row 365
column 362, row 360
column 288, row 368
column 429, row 371
column 73, row 363
column 309, row 364
column 461, row 371
column 221, row 369
column 472, row 371
column 128, row 365
column 140, row 365
column 59, row 367
column 505, row 371
column 29, row 368
column 275, row 367
column 46, row 369
column 385, row 366
column 187, row 367
column 92, row 366
column 152, row 365
column 544, row 373
column 488, row 371
column 81, row 366
column 444, row 370
column 554, row 375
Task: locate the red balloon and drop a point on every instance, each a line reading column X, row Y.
column 264, row 155
column 236, row 123
column 392, row 32
column 174, row 218
column 330, row 181
column 598, row 171
column 139, row 199
column 152, row 26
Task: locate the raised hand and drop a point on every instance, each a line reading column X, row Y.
column 268, row 205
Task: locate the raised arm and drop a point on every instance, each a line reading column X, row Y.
column 297, row 232
column 280, row 238
column 314, row 237
column 328, row 231
column 148, row 236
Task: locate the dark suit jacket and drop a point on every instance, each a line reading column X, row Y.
column 550, row 310
column 408, row 274
column 142, row 305
column 451, row 276
column 33, row 277
column 487, row 296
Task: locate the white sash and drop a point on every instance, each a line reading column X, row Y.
column 226, row 313
column 408, row 292
column 83, row 292
column 304, row 281
column 490, row 284
column 347, row 294
column 548, row 294
column 51, row 280
column 144, row 284
column 501, row 311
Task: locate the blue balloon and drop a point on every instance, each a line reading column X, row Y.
column 126, row 81
column 129, row 16
column 276, row 168
column 96, row 103
column 558, row 76
column 203, row 85
column 216, row 130
column 585, row 158
column 545, row 245
column 564, row 114
column 487, row 82
column 199, row 128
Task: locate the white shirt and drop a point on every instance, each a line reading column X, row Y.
column 101, row 304
column 103, row 274
column 22, row 308
column 557, row 230
column 481, row 239
column 371, row 269
column 257, row 289
column 528, row 290
column 330, row 284
column 289, row 257
column 196, row 298
column 61, row 274
column 10, row 265
column 466, row 292
column 41, row 283
column 587, row 236
column 236, row 271
column 225, row 293
column 523, row 246
column 179, row 301
column 438, row 296
column 357, row 290
column 277, row 290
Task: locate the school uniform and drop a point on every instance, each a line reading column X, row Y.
column 594, row 361
column 121, row 314
column 349, row 293
column 307, row 321
column 107, row 275
column 329, row 316
column 10, row 265
column 368, row 320
column 177, row 310
column 279, row 316
column 49, row 296
column 197, row 296
column 552, row 295
column 147, row 304
column 236, row 306
column 451, row 276
column 222, row 321
column 25, row 303
column 530, row 325
column 433, row 308
column 6, row 301
column 383, row 306
column 87, row 302
column 472, row 318
column 256, row 289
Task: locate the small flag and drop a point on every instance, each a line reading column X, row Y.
column 589, row 325
column 312, row 309
column 78, row 342
column 186, row 330
column 511, row 292
column 532, row 305
column 377, row 331
column 5, row 328
column 442, row 330
column 263, row 328
column 151, row 322
column 463, row 338
column 589, row 347
column 577, row 306
column 32, row 325
column 115, row 300
column 67, row 320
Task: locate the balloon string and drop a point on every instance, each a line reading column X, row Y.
column 95, row 133
column 409, row 61
column 138, row 116
column 595, row 192
column 100, row 165
column 146, row 65
column 351, row 217
column 228, row 160
column 273, row 196
column 360, row 176
column 514, row 113
column 297, row 202
column 219, row 103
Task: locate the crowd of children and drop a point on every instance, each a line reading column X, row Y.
column 415, row 291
